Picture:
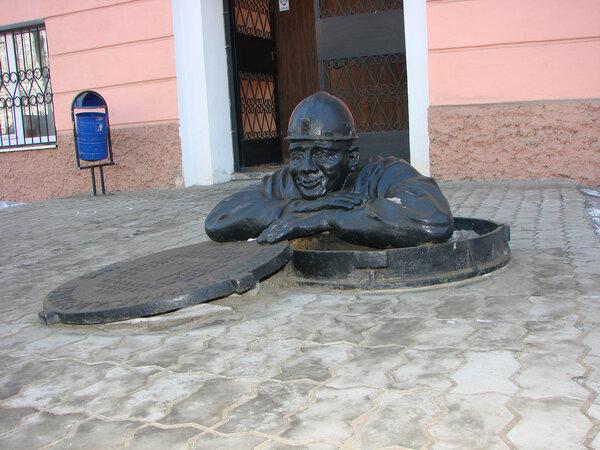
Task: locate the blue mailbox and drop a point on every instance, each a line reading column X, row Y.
column 91, row 131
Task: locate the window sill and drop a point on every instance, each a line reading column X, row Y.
column 28, row 147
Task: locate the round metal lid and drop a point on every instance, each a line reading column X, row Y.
column 478, row 247
column 163, row 282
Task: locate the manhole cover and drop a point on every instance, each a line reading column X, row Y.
column 163, row 282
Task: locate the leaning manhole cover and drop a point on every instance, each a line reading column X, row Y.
column 163, row 282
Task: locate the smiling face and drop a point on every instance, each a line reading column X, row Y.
column 318, row 167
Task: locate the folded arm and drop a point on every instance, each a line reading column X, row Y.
column 415, row 214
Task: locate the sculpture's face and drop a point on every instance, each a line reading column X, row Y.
column 318, row 167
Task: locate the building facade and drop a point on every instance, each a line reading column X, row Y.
column 487, row 90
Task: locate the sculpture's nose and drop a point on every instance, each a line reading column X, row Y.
column 308, row 164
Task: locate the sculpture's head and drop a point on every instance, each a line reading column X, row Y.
column 321, row 134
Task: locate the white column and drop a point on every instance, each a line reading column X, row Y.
column 415, row 26
column 202, row 91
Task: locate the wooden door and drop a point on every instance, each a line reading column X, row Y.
column 297, row 69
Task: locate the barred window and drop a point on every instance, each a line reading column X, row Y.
column 26, row 111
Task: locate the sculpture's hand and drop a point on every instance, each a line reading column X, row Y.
column 294, row 226
column 334, row 200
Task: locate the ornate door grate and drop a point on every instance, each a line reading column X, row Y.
column 26, row 111
column 258, row 134
column 257, row 95
column 373, row 87
column 254, row 18
column 362, row 60
column 335, row 8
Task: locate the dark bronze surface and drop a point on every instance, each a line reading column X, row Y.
column 163, row 282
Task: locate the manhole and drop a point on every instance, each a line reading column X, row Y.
column 477, row 247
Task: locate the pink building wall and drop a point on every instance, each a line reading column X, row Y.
column 514, row 89
column 125, row 51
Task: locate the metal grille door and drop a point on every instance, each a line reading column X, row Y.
column 255, row 68
column 362, row 60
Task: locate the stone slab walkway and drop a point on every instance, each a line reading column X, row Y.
column 508, row 360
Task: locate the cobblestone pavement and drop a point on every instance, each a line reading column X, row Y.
column 508, row 360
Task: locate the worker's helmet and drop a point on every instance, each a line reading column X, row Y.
column 321, row 116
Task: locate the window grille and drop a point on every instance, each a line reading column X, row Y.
column 26, row 110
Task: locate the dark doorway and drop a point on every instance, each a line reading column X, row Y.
column 257, row 136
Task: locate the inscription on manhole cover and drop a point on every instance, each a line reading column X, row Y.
column 163, row 282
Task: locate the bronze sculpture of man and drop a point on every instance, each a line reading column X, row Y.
column 380, row 203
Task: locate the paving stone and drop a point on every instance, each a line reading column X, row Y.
column 496, row 335
column 39, row 430
column 473, row 422
column 7, row 329
column 592, row 340
column 463, row 307
column 302, row 326
column 215, row 357
column 551, row 375
column 368, row 367
column 152, row 402
column 552, row 308
column 393, row 331
column 379, row 304
column 346, row 328
column 84, row 349
column 596, row 442
column 278, row 445
column 399, row 420
column 207, row 406
column 212, row 441
column 100, row 398
column 315, row 363
column 99, row 435
column 338, row 406
column 256, row 325
column 294, row 302
column 414, row 304
column 169, row 352
column 48, row 391
column 263, row 359
column 8, row 363
column 443, row 333
column 593, row 380
column 266, row 411
column 549, row 423
column 127, row 347
column 39, row 340
column 10, row 417
column 154, row 437
column 499, row 307
column 328, row 301
column 426, row 369
column 558, row 336
column 594, row 411
column 485, row 372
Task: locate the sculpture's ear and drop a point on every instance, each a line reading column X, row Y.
column 353, row 157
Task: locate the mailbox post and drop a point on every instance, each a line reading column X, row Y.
column 91, row 131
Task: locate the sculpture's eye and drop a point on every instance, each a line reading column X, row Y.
column 297, row 155
column 323, row 155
